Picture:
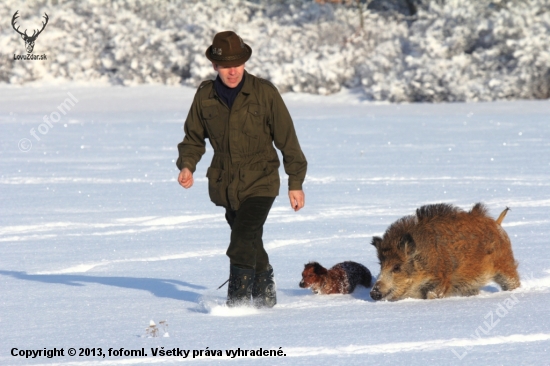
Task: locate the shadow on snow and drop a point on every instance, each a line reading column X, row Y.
column 158, row 287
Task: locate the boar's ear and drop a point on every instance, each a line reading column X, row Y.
column 407, row 244
column 376, row 241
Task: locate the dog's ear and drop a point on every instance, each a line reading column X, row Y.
column 311, row 264
column 319, row 269
column 376, row 241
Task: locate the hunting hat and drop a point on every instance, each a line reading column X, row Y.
column 228, row 49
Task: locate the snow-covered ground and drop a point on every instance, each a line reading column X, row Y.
column 98, row 239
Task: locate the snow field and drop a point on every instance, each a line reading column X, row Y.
column 98, row 239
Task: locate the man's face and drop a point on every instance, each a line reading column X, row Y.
column 231, row 76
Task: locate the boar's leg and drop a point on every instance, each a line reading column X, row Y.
column 465, row 287
column 505, row 270
column 470, row 291
column 427, row 288
column 434, row 295
column 433, row 290
column 507, row 282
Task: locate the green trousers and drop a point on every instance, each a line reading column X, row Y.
column 246, row 249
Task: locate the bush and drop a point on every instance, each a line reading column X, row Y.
column 448, row 51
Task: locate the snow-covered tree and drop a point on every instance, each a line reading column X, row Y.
column 436, row 51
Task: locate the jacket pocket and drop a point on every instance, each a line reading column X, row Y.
column 256, row 110
column 255, row 121
column 253, row 183
column 254, row 128
column 215, row 126
column 217, row 186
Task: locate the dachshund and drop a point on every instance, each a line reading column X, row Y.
column 340, row 279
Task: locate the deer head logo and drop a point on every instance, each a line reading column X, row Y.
column 29, row 40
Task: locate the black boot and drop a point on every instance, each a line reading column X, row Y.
column 264, row 294
column 240, row 286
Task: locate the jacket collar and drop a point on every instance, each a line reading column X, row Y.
column 247, row 87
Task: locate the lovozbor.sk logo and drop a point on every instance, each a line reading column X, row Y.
column 29, row 40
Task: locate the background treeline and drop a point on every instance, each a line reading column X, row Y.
column 387, row 50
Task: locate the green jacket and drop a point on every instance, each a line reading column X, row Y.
column 245, row 163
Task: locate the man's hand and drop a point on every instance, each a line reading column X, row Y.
column 185, row 178
column 297, row 199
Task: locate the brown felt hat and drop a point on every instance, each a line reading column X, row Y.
column 228, row 49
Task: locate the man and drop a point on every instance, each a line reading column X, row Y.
column 242, row 116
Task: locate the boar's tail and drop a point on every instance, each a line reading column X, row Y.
column 502, row 215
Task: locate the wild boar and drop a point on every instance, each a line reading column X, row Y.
column 443, row 251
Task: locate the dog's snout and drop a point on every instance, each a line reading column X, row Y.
column 302, row 284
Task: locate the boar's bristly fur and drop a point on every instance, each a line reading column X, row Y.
column 443, row 251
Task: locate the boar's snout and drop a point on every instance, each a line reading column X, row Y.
column 375, row 293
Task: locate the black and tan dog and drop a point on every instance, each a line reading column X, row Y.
column 340, row 279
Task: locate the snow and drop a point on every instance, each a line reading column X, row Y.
column 98, row 239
